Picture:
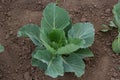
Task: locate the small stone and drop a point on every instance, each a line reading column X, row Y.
column 108, row 43
column 102, row 17
column 115, row 74
column 107, row 10
column 11, row 32
column 83, row 19
column 16, row 70
column 112, row 78
column 9, row 13
column 27, row 76
column 95, row 5
column 8, row 72
column 112, row 69
column 39, row 2
column 7, row 36
column 0, row 6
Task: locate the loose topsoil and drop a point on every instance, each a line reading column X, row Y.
column 15, row 61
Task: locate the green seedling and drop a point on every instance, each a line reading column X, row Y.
column 60, row 45
column 105, row 28
column 116, row 21
column 1, row 48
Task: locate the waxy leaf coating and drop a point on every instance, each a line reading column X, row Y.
column 116, row 20
column 116, row 12
column 61, row 45
column 116, row 45
column 1, row 48
column 54, row 17
column 82, row 31
column 74, row 63
column 55, row 67
column 32, row 31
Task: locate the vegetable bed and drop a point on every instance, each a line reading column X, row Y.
column 15, row 60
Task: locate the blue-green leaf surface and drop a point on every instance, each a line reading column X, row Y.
column 43, row 55
column 116, row 12
column 32, row 31
column 54, row 17
column 1, row 48
column 82, row 31
column 36, row 62
column 74, row 63
column 58, row 52
column 54, row 64
column 67, row 49
column 39, row 64
column 83, row 53
column 116, row 45
column 55, row 67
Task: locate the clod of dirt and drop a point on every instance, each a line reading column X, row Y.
column 27, row 76
column 7, row 36
column 83, row 19
column 107, row 10
column 114, row 79
column 115, row 74
column 1, row 76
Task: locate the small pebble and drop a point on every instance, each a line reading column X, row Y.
column 112, row 78
column 107, row 10
column 27, row 76
column 1, row 76
column 115, row 74
column 83, row 19
column 7, row 36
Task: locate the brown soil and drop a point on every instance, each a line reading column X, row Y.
column 15, row 60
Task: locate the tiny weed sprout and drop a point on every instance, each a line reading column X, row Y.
column 1, row 48
column 105, row 28
column 116, row 21
column 60, row 45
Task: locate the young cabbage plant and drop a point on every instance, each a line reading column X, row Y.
column 1, row 48
column 60, row 45
column 116, row 20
